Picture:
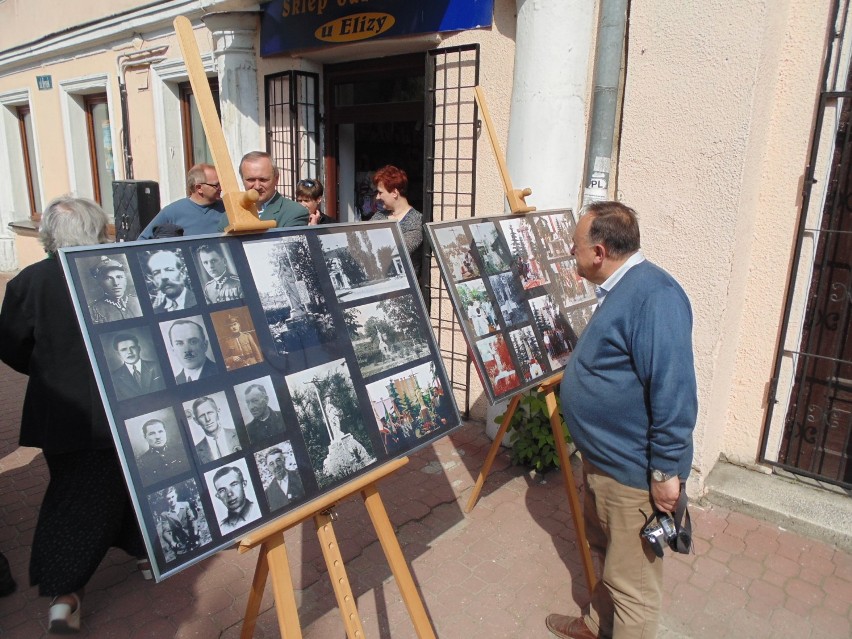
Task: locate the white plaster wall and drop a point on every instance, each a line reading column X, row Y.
column 718, row 109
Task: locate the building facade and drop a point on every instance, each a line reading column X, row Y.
column 708, row 114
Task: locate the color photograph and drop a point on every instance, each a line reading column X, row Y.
column 492, row 252
column 556, row 332
column 526, row 347
column 408, row 406
column 525, row 251
column 479, row 315
column 556, row 232
column 457, row 253
column 498, row 364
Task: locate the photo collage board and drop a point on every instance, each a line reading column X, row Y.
column 244, row 376
column 515, row 288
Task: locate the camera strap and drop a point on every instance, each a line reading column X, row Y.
column 682, row 543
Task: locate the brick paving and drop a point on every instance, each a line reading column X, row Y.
column 494, row 573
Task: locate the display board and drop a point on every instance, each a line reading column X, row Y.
column 245, row 375
column 516, row 292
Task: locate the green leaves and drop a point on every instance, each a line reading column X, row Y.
column 532, row 434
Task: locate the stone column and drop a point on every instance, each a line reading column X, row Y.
column 552, row 53
column 234, row 35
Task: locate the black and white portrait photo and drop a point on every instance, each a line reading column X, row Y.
column 330, row 419
column 526, row 347
column 216, row 267
column 456, row 251
column 408, row 406
column 132, row 361
column 212, row 426
column 237, row 338
column 386, row 334
column 180, row 520
column 233, row 496
column 260, row 410
column 556, row 232
column 363, row 263
column 157, row 446
column 290, row 293
column 527, row 255
column 109, row 288
column 279, row 474
column 168, row 280
column 493, row 253
column 509, row 296
column 558, row 336
column 189, row 349
column 480, row 318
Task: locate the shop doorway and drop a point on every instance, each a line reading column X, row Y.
column 374, row 117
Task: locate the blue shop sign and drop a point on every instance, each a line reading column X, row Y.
column 290, row 25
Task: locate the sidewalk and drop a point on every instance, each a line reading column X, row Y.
column 496, row 572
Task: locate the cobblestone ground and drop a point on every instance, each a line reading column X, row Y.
column 496, row 572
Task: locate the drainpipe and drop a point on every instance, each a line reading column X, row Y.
column 609, row 51
column 141, row 58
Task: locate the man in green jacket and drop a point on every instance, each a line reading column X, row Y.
column 259, row 173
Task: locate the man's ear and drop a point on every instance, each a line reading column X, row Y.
column 600, row 253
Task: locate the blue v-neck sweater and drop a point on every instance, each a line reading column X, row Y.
column 628, row 392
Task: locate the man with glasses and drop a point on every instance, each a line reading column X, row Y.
column 258, row 172
column 197, row 214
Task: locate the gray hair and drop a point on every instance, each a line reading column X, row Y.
column 254, row 156
column 72, row 221
column 197, row 175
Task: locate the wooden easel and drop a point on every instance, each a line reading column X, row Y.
column 272, row 560
column 239, row 205
column 518, row 205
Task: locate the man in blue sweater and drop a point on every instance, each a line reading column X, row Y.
column 629, row 400
column 197, row 214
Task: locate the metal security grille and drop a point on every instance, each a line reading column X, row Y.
column 450, row 185
column 292, row 126
column 816, row 436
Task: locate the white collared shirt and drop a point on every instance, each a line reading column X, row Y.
column 615, row 278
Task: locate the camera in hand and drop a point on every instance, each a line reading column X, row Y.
column 660, row 532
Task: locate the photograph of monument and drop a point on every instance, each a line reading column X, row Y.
column 290, row 293
column 567, row 285
column 334, row 431
column 386, row 334
column 363, row 263
column 525, row 345
column 509, row 297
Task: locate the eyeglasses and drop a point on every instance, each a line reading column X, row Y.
column 215, row 185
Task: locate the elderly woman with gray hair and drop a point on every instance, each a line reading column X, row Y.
column 86, row 508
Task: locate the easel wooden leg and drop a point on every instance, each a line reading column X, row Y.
column 273, row 561
column 396, row 560
column 570, row 487
column 337, row 574
column 492, row 453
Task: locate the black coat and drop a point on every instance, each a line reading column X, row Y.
column 40, row 337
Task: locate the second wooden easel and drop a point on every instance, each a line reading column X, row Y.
column 547, row 388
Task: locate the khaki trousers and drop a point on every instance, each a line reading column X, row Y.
column 626, row 600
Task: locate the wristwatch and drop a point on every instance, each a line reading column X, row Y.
column 658, row 475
